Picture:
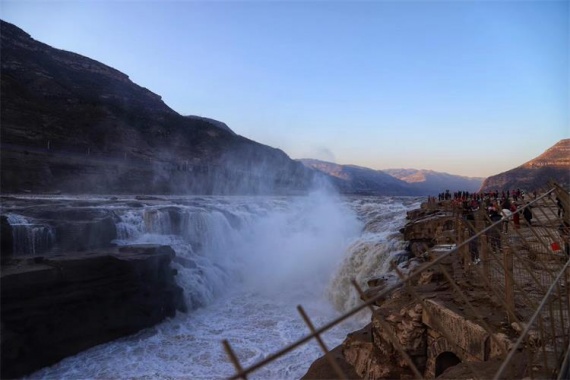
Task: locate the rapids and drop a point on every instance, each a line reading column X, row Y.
column 245, row 263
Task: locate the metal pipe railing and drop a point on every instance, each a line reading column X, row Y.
column 405, row 279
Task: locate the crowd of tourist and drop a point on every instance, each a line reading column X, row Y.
column 504, row 206
column 479, row 196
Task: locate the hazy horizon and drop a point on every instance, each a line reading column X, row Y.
column 466, row 88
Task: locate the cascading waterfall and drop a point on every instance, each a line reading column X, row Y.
column 244, row 264
column 204, row 241
column 130, row 226
column 30, row 238
column 158, row 222
column 367, row 258
column 370, row 255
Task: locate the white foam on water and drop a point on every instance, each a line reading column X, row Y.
column 30, row 237
column 369, row 256
column 245, row 263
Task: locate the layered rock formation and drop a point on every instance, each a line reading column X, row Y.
column 431, row 323
column 72, row 124
column 53, row 307
column 66, row 287
column 55, row 227
column 553, row 164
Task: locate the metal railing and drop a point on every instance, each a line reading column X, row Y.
column 521, row 268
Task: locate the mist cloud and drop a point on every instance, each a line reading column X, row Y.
column 324, row 154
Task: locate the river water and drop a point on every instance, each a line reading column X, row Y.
column 245, row 263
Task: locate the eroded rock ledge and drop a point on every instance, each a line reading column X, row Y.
column 55, row 307
column 418, row 327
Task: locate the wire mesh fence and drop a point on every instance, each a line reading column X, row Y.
column 489, row 300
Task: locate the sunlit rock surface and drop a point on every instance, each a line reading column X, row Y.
column 430, row 182
column 553, row 164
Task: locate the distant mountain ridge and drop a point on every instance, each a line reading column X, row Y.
column 432, row 182
column 553, row 164
column 354, row 179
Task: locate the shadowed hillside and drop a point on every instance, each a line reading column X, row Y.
column 72, row 124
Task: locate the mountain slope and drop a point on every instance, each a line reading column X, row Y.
column 72, row 124
column 432, row 182
column 351, row 179
column 553, row 164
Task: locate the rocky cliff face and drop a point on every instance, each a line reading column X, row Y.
column 553, row 164
column 67, row 287
column 351, row 179
column 72, row 124
column 427, row 318
column 431, row 182
column 53, row 307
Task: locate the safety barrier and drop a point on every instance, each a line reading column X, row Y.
column 522, row 267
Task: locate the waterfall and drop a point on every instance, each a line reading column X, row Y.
column 244, row 264
column 203, row 238
column 130, row 225
column 158, row 222
column 370, row 255
column 30, row 238
column 266, row 244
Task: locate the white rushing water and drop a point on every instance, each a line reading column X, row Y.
column 245, row 263
column 30, row 237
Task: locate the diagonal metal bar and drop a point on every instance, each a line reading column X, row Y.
column 530, row 271
column 563, row 371
column 442, row 330
column 370, row 301
column 472, row 308
column 525, row 331
column 393, row 338
column 522, row 262
column 234, row 359
column 326, row 351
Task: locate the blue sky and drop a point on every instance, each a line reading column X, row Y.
column 464, row 87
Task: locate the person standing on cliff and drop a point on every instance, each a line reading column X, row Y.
column 527, row 214
column 565, row 236
column 516, row 216
column 506, row 207
column 494, row 235
column 560, row 208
